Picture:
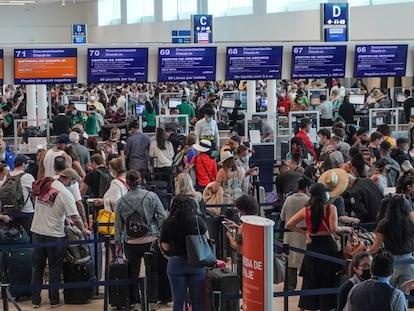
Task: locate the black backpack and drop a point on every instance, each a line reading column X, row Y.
column 135, row 225
column 105, row 180
column 11, row 194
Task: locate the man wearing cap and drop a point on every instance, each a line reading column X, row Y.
column 26, row 180
column 51, row 210
column 207, row 129
column 137, row 150
column 377, row 292
column 48, row 161
column 206, row 166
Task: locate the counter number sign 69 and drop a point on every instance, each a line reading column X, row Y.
column 165, row 52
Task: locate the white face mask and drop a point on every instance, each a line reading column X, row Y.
column 112, row 174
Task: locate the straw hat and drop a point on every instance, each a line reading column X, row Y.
column 335, row 179
column 225, row 155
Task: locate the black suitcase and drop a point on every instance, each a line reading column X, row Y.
column 225, row 281
column 74, row 273
column 119, row 294
column 17, row 270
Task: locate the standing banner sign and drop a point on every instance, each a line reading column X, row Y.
column 257, row 267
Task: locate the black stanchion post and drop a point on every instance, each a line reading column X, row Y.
column 107, row 252
column 4, row 296
column 95, row 251
column 217, row 301
column 147, row 262
column 286, row 281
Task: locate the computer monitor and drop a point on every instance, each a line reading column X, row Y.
column 174, row 102
column 228, row 103
column 255, row 124
column 139, row 109
column 263, row 102
column 80, row 106
column 357, row 99
column 400, row 98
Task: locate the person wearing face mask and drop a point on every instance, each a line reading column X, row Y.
column 321, row 220
column 207, row 129
column 242, row 161
column 359, row 270
column 76, row 117
column 402, row 155
column 305, row 126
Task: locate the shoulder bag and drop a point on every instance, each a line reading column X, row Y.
column 199, row 252
column 334, row 237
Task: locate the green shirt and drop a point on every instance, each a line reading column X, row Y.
column 185, row 108
column 150, row 117
column 90, row 125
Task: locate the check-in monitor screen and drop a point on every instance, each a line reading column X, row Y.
column 139, row 109
column 173, row 102
column 227, row 103
column 80, row 106
column 357, row 99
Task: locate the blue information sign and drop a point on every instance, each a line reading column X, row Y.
column 335, row 14
column 45, row 66
column 380, row 60
column 181, row 64
column 335, row 35
column 253, row 62
column 203, row 28
column 318, row 61
column 118, row 65
column 79, row 33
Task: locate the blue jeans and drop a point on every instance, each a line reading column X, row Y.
column 183, row 276
column 403, row 272
column 54, row 256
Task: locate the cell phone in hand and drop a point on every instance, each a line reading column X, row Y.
column 228, row 228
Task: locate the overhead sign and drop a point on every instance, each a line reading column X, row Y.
column 1, row 67
column 117, row 65
column 203, row 28
column 380, row 60
column 180, row 36
column 253, row 62
column 335, row 22
column 257, row 263
column 45, row 66
column 79, row 33
column 318, row 61
column 181, row 64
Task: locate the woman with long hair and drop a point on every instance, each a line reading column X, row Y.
column 396, row 232
column 161, row 152
column 184, row 185
column 149, row 116
column 359, row 270
column 182, row 221
column 321, row 223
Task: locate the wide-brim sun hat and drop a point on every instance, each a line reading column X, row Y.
column 335, row 179
column 225, row 155
column 203, row 146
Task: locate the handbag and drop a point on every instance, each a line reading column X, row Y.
column 12, row 233
column 334, row 237
column 106, row 222
column 199, row 252
column 279, row 266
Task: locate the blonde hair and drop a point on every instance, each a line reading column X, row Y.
column 115, row 134
column 118, row 165
column 184, row 184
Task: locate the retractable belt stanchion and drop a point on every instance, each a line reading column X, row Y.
column 286, row 281
column 144, row 298
column 4, row 296
column 106, row 291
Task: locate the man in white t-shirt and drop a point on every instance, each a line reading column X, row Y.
column 59, row 150
column 52, row 206
column 26, row 180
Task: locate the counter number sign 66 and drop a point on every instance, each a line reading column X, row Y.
column 361, row 49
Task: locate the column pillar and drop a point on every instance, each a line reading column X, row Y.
column 31, row 105
column 271, row 102
column 251, row 99
column 42, row 104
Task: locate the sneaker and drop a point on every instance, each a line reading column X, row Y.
column 57, row 305
column 170, row 304
column 36, row 306
column 154, row 306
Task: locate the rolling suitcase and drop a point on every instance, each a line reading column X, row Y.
column 226, row 281
column 17, row 270
column 74, row 273
column 119, row 294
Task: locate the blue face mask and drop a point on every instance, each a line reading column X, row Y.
column 327, row 196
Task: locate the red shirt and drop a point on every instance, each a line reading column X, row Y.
column 322, row 227
column 206, row 169
column 302, row 135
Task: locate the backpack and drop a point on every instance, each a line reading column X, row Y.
column 110, row 148
column 135, row 225
column 11, row 194
column 105, row 180
column 76, row 253
column 9, row 157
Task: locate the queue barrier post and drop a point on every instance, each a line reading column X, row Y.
column 4, row 296
column 107, row 253
column 286, row 281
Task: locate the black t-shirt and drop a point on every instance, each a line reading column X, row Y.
column 61, row 124
column 92, row 180
column 393, row 247
column 173, row 232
